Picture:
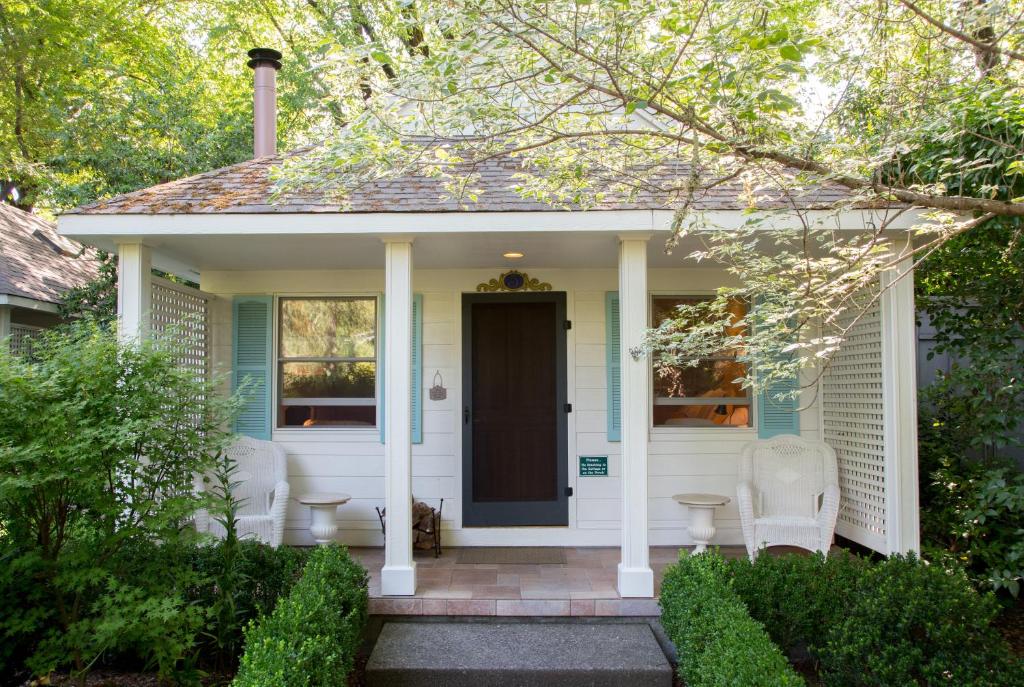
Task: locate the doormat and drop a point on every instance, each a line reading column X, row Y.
column 511, row 555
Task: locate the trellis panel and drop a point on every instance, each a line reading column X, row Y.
column 853, row 416
column 182, row 310
column 22, row 336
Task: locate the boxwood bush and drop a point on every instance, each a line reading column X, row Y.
column 312, row 637
column 900, row 621
column 718, row 642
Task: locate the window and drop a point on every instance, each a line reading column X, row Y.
column 704, row 395
column 327, row 362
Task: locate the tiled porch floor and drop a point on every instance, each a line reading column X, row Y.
column 583, row 586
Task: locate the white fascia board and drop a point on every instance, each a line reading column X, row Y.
column 89, row 228
column 28, row 303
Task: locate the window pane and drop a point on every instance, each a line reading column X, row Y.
column 704, row 395
column 328, row 416
column 328, row 327
column 327, row 380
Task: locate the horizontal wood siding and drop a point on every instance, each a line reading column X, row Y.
column 351, row 460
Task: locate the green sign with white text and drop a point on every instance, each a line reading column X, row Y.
column 593, row 466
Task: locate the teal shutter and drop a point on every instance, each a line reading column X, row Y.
column 776, row 416
column 613, row 365
column 380, row 365
column 252, row 320
column 417, row 368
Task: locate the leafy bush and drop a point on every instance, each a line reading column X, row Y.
column 912, row 623
column 312, row 637
column 794, row 594
column 974, row 512
column 717, row 640
column 897, row 622
column 98, row 445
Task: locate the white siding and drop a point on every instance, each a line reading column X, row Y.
column 351, row 460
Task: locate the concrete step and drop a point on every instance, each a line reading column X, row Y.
column 524, row 654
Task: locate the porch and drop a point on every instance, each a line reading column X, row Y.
column 398, row 441
column 582, row 585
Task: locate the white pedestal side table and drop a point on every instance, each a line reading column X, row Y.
column 323, row 510
column 702, row 516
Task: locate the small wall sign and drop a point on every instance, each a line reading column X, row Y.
column 593, row 466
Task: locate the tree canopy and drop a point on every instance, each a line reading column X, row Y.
column 679, row 97
column 909, row 106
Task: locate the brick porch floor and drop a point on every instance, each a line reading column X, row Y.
column 583, row 586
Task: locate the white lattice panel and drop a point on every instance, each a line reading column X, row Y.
column 22, row 336
column 182, row 310
column 853, row 423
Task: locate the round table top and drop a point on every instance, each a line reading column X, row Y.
column 323, row 499
column 701, row 499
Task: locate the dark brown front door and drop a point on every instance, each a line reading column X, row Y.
column 514, row 425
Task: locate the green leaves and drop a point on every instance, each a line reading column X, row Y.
column 791, row 52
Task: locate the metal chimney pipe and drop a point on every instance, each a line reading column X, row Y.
column 264, row 62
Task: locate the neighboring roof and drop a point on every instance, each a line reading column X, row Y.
column 38, row 263
column 246, row 188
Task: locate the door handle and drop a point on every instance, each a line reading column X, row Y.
column 465, row 415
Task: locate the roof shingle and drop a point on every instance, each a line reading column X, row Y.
column 38, row 263
column 246, row 187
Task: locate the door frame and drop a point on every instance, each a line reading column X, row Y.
column 522, row 513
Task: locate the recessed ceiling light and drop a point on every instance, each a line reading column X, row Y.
column 512, row 255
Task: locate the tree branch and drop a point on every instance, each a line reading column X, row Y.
column 960, row 35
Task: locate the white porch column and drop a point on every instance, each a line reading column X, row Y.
column 899, row 392
column 635, row 576
column 5, row 321
column 134, row 290
column 398, row 576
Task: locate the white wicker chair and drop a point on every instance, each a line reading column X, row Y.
column 262, row 474
column 788, row 494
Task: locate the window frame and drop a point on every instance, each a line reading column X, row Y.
column 278, row 398
column 748, row 429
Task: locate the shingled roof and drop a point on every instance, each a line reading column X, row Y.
column 36, row 262
column 247, row 188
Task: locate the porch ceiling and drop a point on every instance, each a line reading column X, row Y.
column 571, row 250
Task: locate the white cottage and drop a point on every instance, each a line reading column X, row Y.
column 407, row 345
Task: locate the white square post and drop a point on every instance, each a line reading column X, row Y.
column 899, row 392
column 134, row 290
column 5, row 321
column 398, row 576
column 635, row 578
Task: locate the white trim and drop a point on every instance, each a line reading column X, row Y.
column 405, row 224
column 28, row 303
column 5, row 321
column 899, row 393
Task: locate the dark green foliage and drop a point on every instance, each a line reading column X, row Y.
column 974, row 514
column 98, row 298
column 913, row 623
column 792, row 594
column 262, row 575
column 312, row 637
column 98, row 445
column 717, row 640
column 901, row 621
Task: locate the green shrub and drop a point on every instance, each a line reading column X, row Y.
column 312, row 637
column 718, row 642
column 794, row 594
column 99, row 442
column 973, row 515
column 900, row 621
column 909, row 622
